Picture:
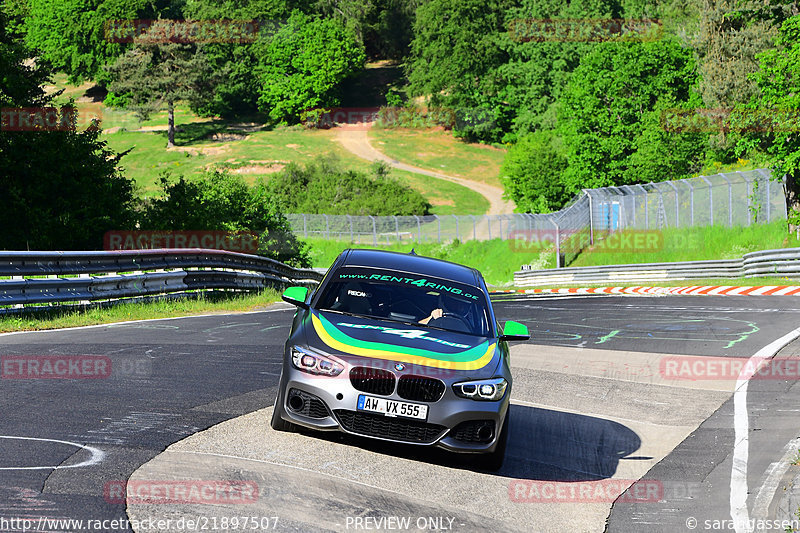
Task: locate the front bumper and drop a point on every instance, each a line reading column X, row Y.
column 329, row 404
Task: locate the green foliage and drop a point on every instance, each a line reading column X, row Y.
column 533, row 171
column 71, row 34
column 612, row 115
column 237, row 92
column 301, row 66
column 221, row 201
column 324, row 186
column 455, row 58
column 777, row 80
column 58, row 189
column 383, row 26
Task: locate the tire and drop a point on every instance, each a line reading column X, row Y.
column 278, row 423
column 492, row 462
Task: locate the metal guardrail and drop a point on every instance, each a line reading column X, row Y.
column 61, row 277
column 782, row 262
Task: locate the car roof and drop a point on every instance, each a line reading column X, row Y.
column 416, row 264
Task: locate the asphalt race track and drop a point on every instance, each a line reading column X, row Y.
column 595, row 410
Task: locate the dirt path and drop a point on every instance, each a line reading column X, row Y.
column 357, row 142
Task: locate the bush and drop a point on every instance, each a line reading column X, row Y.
column 221, row 201
column 532, row 173
column 324, row 186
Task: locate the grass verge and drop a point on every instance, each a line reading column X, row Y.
column 92, row 315
column 691, row 244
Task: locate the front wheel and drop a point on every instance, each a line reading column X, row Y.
column 278, row 423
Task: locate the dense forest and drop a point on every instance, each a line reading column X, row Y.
column 585, row 93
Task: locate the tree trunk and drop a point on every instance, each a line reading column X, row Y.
column 792, row 191
column 171, row 127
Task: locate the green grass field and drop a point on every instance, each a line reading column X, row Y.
column 249, row 149
column 437, row 150
column 66, row 318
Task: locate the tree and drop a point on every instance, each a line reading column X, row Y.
column 455, row 57
column 532, row 173
column 156, row 75
column 777, row 79
column 301, row 66
column 72, row 34
column 611, row 115
column 58, row 189
column 237, row 92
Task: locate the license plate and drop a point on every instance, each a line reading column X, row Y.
column 392, row 407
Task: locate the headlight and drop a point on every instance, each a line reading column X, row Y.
column 484, row 389
column 314, row 363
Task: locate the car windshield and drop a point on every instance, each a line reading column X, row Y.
column 407, row 298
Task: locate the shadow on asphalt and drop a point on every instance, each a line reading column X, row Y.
column 543, row 445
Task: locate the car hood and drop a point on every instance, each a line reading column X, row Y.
column 355, row 338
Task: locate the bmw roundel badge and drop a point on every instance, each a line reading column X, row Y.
column 399, row 366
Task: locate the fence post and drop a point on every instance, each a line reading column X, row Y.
column 327, row 227
column 489, row 223
column 305, row 226
column 558, row 241
column 747, row 193
column 710, row 201
column 419, row 229
column 457, row 236
column 397, row 227
column 677, row 202
column 767, row 179
column 633, row 201
column 691, row 200
column 591, row 218
column 350, row 220
column 438, row 228
column 646, row 207
column 474, row 228
column 730, row 199
column 374, row 231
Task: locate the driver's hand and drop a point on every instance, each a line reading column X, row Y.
column 437, row 313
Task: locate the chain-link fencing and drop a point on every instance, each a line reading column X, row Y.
column 730, row 199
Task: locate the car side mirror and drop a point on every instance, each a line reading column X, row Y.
column 514, row 331
column 296, row 296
